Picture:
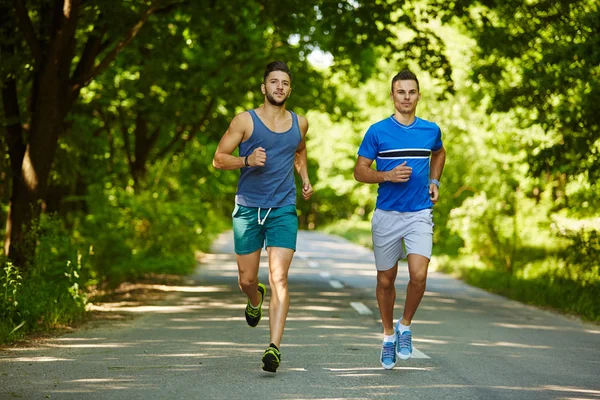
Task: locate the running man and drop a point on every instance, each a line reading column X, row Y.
column 410, row 159
column 271, row 143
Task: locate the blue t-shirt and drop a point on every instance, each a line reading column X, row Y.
column 390, row 143
column 271, row 185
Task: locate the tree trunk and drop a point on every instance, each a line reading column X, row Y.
column 50, row 102
column 14, row 134
column 30, row 186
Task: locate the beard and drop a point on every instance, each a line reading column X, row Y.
column 274, row 102
column 406, row 110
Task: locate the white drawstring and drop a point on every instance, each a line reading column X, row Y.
column 264, row 219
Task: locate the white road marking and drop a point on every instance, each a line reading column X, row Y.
column 361, row 308
column 336, row 284
column 313, row 264
column 325, row 275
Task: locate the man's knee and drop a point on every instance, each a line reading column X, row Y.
column 278, row 279
column 419, row 278
column 385, row 281
column 246, row 282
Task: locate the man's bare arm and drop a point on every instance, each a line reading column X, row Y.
column 438, row 159
column 238, row 128
column 364, row 173
column 300, row 160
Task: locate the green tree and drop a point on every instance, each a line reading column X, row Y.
column 52, row 50
column 539, row 59
column 197, row 63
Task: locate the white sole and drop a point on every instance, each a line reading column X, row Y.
column 388, row 367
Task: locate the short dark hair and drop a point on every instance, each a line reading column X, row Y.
column 277, row 66
column 405, row 75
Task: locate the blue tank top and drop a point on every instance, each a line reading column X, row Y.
column 271, row 185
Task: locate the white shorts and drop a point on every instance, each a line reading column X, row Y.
column 397, row 234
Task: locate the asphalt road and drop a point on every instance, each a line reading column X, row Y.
column 195, row 344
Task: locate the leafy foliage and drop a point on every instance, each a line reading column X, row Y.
column 540, row 60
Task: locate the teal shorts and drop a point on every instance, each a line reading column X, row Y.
column 255, row 228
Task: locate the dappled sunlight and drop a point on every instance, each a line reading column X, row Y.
column 35, row 359
column 209, row 319
column 572, row 389
column 346, row 327
column 563, row 389
column 334, row 247
column 350, row 273
column 109, row 307
column 592, row 332
column 313, row 318
column 18, row 349
column 378, row 369
column 91, row 390
column 335, row 294
column 473, row 311
column 355, row 266
column 510, row 344
column 317, row 300
column 91, row 346
column 187, row 328
column 102, row 380
column 220, row 267
column 443, row 300
column 317, row 308
column 436, row 308
column 195, row 304
column 424, row 322
column 227, row 273
column 433, row 294
column 170, row 288
column 373, row 342
column 191, row 355
column 229, row 344
column 298, row 295
column 537, row 327
column 430, row 341
column 209, row 257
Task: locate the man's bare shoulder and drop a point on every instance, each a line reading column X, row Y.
column 242, row 117
column 241, row 122
column 303, row 123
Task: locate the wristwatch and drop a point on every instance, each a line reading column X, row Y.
column 435, row 182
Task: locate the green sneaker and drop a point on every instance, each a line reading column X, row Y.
column 271, row 358
column 253, row 315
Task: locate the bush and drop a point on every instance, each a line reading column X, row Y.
column 52, row 292
column 134, row 235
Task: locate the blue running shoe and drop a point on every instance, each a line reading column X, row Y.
column 388, row 355
column 404, row 345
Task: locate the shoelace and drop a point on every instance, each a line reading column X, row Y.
column 274, row 352
column 253, row 312
column 406, row 341
column 388, row 350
